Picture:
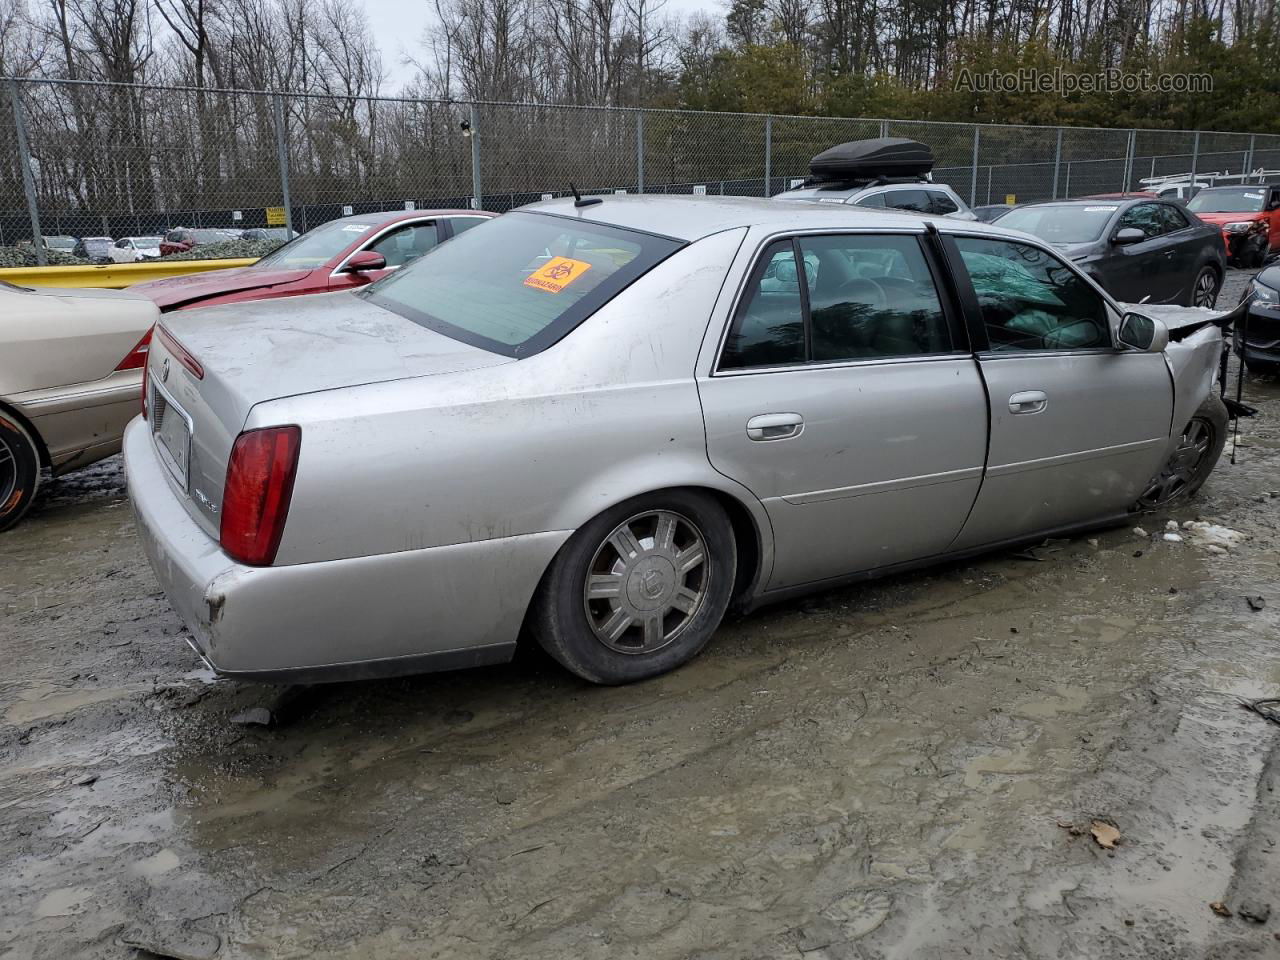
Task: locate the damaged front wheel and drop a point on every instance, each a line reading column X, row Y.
column 1192, row 460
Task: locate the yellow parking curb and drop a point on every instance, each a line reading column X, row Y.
column 114, row 276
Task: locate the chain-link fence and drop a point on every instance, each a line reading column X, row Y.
column 106, row 160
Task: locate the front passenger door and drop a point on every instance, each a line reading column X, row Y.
column 1078, row 427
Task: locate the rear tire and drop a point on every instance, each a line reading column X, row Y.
column 1262, row 368
column 1191, row 462
column 639, row 590
column 19, row 471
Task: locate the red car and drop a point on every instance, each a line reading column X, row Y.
column 338, row 255
column 182, row 239
column 1249, row 217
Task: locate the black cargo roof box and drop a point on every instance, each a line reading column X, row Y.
column 869, row 159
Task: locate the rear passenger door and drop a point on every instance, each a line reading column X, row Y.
column 1078, row 427
column 844, row 396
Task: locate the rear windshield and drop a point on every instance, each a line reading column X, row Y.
column 517, row 284
column 1076, row 223
column 1233, row 200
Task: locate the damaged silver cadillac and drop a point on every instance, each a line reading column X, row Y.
column 604, row 424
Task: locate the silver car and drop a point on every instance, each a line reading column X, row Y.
column 917, row 196
column 607, row 423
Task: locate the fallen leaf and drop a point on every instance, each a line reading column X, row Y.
column 1220, row 908
column 1106, row 835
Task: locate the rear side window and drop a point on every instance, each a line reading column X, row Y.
column 917, row 201
column 862, row 297
column 940, row 203
column 875, row 200
column 1173, row 218
column 522, row 283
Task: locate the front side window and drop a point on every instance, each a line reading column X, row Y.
column 1146, row 217
column 522, row 283
column 864, row 297
column 875, row 200
column 406, row 243
column 1031, row 300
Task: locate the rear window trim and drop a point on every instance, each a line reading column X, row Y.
column 553, row 332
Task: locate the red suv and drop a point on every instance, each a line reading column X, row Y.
column 337, row 255
column 1249, row 217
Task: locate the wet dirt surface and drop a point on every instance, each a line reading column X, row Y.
column 906, row 769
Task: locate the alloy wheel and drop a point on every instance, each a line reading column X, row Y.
column 1179, row 472
column 8, row 471
column 646, row 582
column 1206, row 292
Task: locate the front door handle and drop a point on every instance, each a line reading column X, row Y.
column 1028, row 401
column 775, row 426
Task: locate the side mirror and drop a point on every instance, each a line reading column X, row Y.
column 1127, row 236
column 365, row 260
column 1138, row 332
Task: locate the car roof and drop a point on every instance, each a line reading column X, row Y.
column 1116, row 201
column 839, row 190
column 393, row 216
column 692, row 218
column 1238, row 186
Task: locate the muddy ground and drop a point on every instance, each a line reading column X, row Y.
column 907, row 769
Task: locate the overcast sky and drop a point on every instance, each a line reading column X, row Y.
column 398, row 26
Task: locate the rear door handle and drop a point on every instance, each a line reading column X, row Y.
column 1028, row 401
column 775, row 426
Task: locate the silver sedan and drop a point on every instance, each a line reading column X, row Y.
column 606, row 423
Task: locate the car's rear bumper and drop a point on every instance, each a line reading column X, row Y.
column 82, row 422
column 406, row 612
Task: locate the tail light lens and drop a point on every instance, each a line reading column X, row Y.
column 255, row 502
column 137, row 357
column 146, row 380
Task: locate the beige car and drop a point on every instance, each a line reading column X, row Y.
column 71, row 366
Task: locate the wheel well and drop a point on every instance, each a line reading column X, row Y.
column 747, row 539
column 41, row 450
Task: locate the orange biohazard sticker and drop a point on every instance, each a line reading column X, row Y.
column 556, row 274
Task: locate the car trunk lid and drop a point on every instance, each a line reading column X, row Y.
column 209, row 367
column 174, row 292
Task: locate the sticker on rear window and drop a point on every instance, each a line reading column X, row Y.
column 356, row 227
column 1098, row 209
column 1254, row 196
column 556, row 274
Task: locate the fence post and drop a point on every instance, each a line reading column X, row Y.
column 282, row 161
column 28, row 181
column 768, row 156
column 1195, row 158
column 973, row 179
column 1057, row 163
column 1128, row 162
column 1248, row 159
column 476, row 186
column 884, row 128
column 640, row 151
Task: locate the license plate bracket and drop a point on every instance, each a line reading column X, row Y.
column 171, row 426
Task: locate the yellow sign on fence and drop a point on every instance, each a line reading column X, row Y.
column 275, row 217
column 1010, row 199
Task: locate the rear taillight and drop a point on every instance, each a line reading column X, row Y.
column 137, row 357
column 255, row 501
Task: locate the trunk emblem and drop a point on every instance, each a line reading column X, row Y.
column 164, row 371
